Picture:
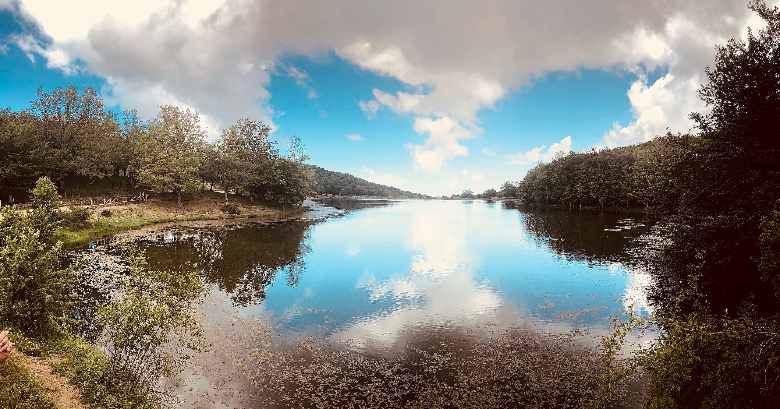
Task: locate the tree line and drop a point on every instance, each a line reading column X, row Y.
column 639, row 176
column 343, row 184
column 71, row 137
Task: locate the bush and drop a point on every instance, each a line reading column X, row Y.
column 75, row 217
column 44, row 194
column 101, row 386
column 35, row 290
column 105, row 213
column 151, row 328
column 19, row 390
column 707, row 362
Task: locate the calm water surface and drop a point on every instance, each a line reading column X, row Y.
column 373, row 274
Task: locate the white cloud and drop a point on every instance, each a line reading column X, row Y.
column 355, row 137
column 370, row 107
column 541, row 154
column 302, row 79
column 210, row 54
column 300, row 76
column 54, row 57
column 685, row 47
column 443, row 143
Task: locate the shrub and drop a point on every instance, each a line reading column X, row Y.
column 75, row 217
column 19, row 390
column 35, row 290
column 708, row 362
column 100, row 386
column 105, row 213
column 44, row 194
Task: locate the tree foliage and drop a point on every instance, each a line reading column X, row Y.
column 70, row 137
column 169, row 155
column 343, row 184
column 714, row 261
column 35, row 288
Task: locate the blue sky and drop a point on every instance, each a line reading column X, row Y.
column 391, row 101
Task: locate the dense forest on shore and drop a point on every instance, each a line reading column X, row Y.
column 715, row 257
column 70, row 136
column 328, row 182
column 640, row 176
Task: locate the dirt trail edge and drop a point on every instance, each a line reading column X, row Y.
column 57, row 388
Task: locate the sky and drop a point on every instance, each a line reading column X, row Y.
column 430, row 96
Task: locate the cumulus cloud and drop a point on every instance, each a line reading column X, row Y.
column 444, row 136
column 53, row 57
column 215, row 55
column 541, row 154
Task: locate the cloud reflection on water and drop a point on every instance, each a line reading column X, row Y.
column 443, row 286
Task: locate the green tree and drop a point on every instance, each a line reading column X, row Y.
column 80, row 135
column 284, row 181
column 35, row 288
column 715, row 275
column 168, row 156
column 243, row 153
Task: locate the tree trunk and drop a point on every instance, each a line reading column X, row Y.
column 226, row 197
column 178, row 198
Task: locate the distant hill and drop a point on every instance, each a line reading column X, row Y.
column 338, row 183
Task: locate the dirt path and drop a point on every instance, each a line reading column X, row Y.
column 57, row 388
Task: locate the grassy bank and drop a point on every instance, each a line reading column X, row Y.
column 105, row 220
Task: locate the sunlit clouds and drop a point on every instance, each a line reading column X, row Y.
column 452, row 61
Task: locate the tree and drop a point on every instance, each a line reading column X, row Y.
column 243, row 152
column 35, row 289
column 80, row 135
column 715, row 274
column 489, row 193
column 283, row 180
column 169, row 154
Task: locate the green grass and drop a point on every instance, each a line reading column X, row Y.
column 107, row 226
column 104, row 227
column 18, row 388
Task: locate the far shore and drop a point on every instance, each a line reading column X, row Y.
column 110, row 218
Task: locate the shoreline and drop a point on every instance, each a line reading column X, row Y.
column 111, row 219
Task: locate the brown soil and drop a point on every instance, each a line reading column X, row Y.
column 57, row 388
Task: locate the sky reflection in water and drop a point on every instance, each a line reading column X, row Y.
column 373, row 274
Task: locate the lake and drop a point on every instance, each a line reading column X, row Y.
column 374, row 272
column 370, row 277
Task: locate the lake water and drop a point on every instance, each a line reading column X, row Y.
column 373, row 274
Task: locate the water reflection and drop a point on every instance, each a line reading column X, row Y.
column 600, row 238
column 432, row 284
column 373, row 275
column 592, row 237
column 239, row 261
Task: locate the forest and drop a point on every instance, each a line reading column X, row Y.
column 343, row 184
column 71, row 137
column 715, row 256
